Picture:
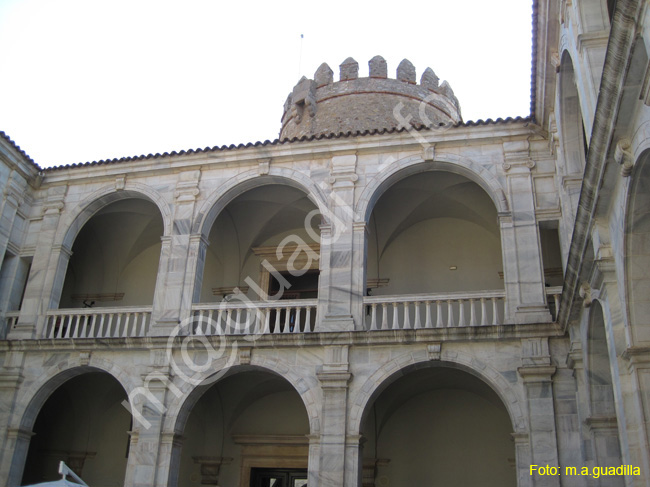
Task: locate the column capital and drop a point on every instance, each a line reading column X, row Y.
column 537, row 373
column 334, row 380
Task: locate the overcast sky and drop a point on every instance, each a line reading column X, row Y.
column 85, row 80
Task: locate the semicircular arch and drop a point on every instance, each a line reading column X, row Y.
column 409, row 166
column 243, row 182
column 391, row 371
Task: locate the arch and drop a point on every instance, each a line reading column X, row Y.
column 599, row 375
column 192, row 390
column 243, row 182
column 636, row 232
column 443, row 162
column 99, row 199
column 571, row 125
column 403, row 364
column 32, row 399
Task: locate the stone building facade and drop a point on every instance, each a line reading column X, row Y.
column 385, row 295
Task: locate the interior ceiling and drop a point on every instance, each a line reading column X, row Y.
column 262, row 213
column 430, row 195
column 429, row 379
column 122, row 230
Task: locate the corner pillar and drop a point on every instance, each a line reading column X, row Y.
column 522, row 257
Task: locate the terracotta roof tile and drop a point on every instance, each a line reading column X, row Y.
column 267, row 142
column 19, row 150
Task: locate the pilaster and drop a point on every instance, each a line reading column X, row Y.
column 45, row 281
column 523, row 270
column 176, row 279
column 334, row 378
column 337, row 248
column 537, row 372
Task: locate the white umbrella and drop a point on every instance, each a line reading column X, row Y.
column 64, row 470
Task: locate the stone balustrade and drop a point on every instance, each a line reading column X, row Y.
column 414, row 311
column 97, row 323
column 262, row 317
column 11, row 319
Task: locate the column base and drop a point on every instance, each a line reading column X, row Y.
column 336, row 323
column 22, row 331
column 532, row 314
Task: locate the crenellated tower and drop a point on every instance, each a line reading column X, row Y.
column 352, row 104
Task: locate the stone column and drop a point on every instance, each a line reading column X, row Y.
column 575, row 361
column 337, row 304
column 354, row 467
column 47, row 274
column 172, row 299
column 522, row 256
column 15, row 442
column 334, row 378
column 522, row 459
column 537, row 373
column 151, row 448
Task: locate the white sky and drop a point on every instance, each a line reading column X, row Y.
column 85, row 80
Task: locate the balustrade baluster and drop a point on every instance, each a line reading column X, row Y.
column 119, row 327
column 407, row 318
column 84, row 327
column 484, row 320
column 450, row 314
column 373, row 316
column 276, row 328
column 439, row 323
column 93, row 322
column 472, row 312
column 287, row 324
column 427, row 310
column 395, row 317
column 416, row 319
column 296, row 326
column 219, row 330
column 461, row 313
column 308, row 320
column 495, row 312
column 384, row 316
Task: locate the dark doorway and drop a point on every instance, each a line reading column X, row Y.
column 304, row 286
column 278, row 477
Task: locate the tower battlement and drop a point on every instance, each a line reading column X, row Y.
column 321, row 105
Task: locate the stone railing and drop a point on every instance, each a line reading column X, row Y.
column 11, row 319
column 414, row 311
column 97, row 323
column 262, row 317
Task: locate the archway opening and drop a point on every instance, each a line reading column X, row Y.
column 433, row 232
column 251, row 423
column 265, row 242
column 115, row 257
column 636, row 253
column 438, row 425
column 84, row 424
column 602, row 422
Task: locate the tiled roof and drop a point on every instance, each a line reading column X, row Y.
column 276, row 142
column 19, row 150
